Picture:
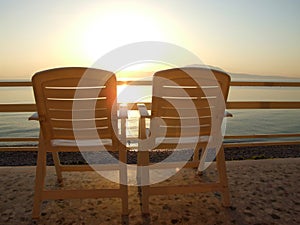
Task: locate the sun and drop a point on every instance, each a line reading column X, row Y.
column 111, row 30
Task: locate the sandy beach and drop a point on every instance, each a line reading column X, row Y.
column 262, row 192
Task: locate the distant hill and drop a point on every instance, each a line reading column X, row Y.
column 253, row 77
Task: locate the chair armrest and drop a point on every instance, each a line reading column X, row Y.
column 123, row 115
column 123, row 112
column 227, row 114
column 34, row 116
column 143, row 111
column 142, row 124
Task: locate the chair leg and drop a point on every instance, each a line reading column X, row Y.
column 139, row 167
column 196, row 155
column 123, row 181
column 143, row 177
column 39, row 181
column 124, row 189
column 145, row 200
column 145, row 182
column 201, row 166
column 57, row 167
column 221, row 166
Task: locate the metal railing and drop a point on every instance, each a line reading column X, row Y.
column 243, row 105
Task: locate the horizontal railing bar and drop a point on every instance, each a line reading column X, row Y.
column 261, row 136
column 256, row 136
column 29, row 83
column 15, row 83
column 17, row 139
column 232, row 83
column 133, row 106
column 254, row 144
column 262, row 105
column 135, row 82
column 265, row 84
column 19, row 149
column 17, row 107
column 241, row 105
column 226, row 145
column 149, row 82
column 35, row 139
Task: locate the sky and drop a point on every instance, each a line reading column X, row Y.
column 240, row 36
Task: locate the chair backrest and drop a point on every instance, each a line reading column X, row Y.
column 76, row 103
column 184, row 101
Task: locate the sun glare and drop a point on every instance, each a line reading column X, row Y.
column 105, row 32
column 140, row 70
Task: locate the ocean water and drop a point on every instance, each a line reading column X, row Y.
column 244, row 122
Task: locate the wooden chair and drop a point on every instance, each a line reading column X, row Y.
column 188, row 106
column 77, row 112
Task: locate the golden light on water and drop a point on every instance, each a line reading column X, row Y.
column 121, row 88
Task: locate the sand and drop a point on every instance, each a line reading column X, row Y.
column 262, row 192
